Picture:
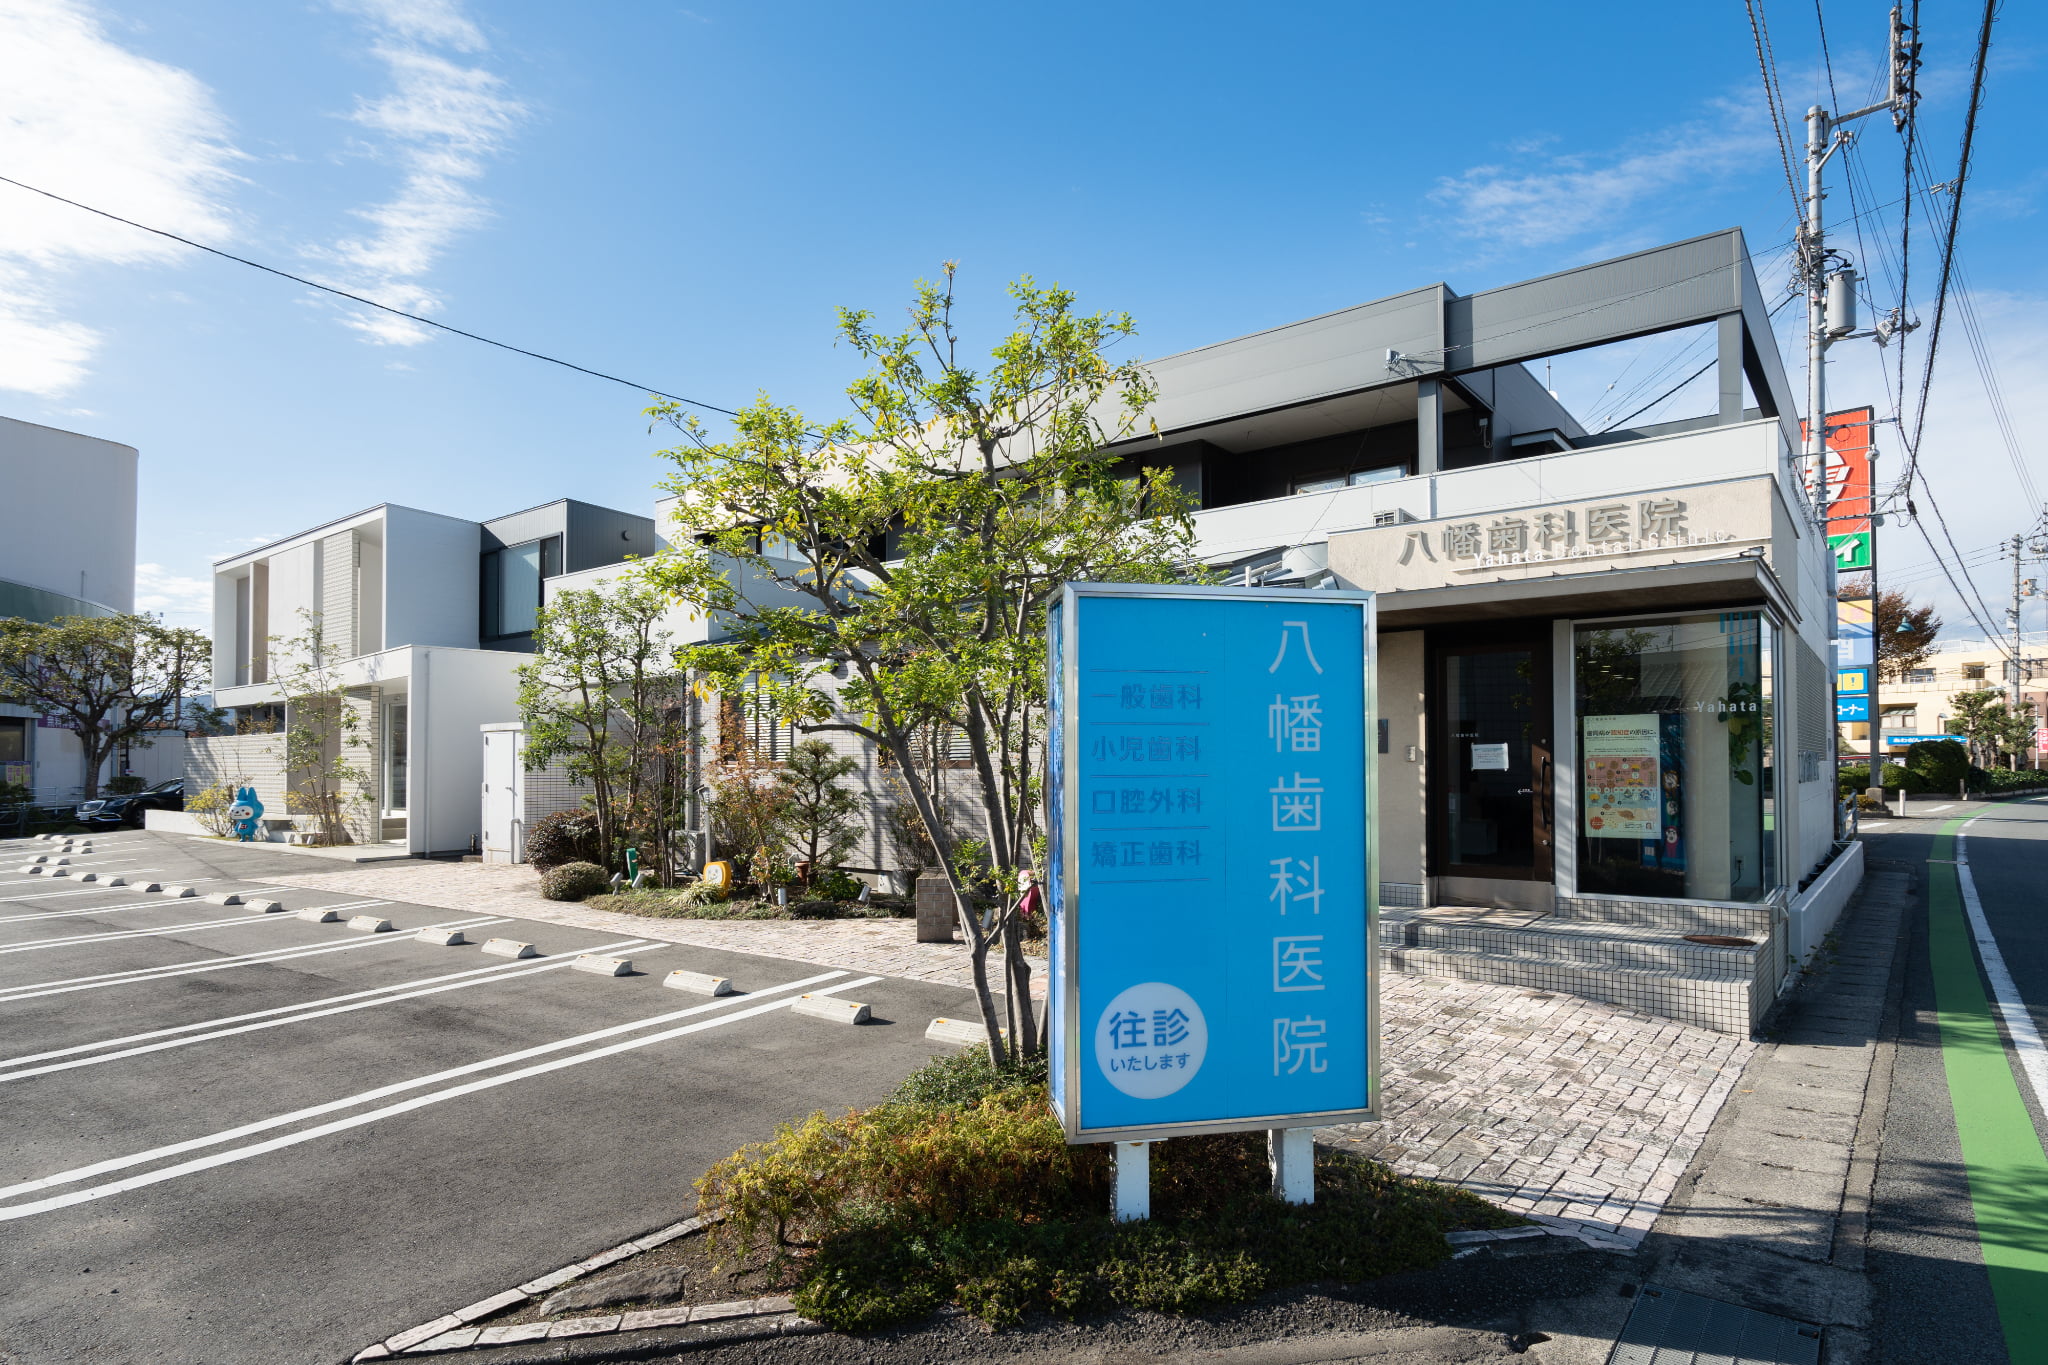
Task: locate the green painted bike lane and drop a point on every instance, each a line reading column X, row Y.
column 2002, row 1153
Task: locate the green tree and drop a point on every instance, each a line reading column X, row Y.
column 912, row 549
column 603, row 699
column 822, row 814
column 324, row 748
column 1905, row 634
column 114, row 680
column 1989, row 728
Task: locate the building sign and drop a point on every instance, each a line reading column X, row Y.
column 1623, row 786
column 1846, row 474
column 1686, row 524
column 1851, row 681
column 1907, row 741
column 1848, row 708
column 1211, row 867
column 1852, row 550
column 1855, row 645
column 1595, row 531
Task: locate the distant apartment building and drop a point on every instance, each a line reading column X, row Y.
column 429, row 617
column 69, row 550
column 1921, row 703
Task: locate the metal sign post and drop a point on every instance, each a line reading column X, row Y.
column 1213, row 872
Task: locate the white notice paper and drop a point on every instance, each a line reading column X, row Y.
column 1489, row 758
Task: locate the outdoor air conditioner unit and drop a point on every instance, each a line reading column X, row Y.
column 1393, row 518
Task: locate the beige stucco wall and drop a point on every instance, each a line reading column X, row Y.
column 1399, row 786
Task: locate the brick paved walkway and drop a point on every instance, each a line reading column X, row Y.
column 1579, row 1114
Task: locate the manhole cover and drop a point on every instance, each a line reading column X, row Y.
column 1720, row 941
column 1672, row 1327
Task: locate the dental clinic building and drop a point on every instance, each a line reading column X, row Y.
column 1604, row 710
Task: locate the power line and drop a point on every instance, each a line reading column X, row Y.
column 1688, row 379
column 1773, row 96
column 1948, row 248
column 369, row 303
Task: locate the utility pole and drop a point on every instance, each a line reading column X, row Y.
column 1830, row 283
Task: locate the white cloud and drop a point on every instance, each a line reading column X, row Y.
column 182, row 600
column 439, row 124
column 1539, row 199
column 86, row 118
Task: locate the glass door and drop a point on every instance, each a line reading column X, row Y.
column 1490, row 760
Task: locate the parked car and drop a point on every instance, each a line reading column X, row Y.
column 110, row 811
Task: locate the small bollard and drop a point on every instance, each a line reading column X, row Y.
column 1132, row 1196
column 1292, row 1154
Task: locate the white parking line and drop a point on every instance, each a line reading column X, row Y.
column 1936, row 810
column 132, row 905
column 77, row 939
column 385, row 995
column 65, row 985
column 418, row 1102
column 81, row 891
column 189, row 881
column 2019, row 1024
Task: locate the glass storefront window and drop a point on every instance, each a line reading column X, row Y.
column 1675, row 774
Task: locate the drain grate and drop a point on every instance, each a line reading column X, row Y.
column 1672, row 1327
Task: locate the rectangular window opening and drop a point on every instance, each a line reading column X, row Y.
column 1676, row 781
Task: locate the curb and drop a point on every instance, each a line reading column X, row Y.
column 452, row 1331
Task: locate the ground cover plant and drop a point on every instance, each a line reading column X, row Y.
column 693, row 902
column 961, row 1189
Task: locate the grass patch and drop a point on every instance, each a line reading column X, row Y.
column 962, row 1189
column 685, row 903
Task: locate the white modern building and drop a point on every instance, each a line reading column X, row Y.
column 69, row 550
column 429, row 617
column 1605, row 722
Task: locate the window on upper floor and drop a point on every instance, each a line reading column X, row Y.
column 512, row 579
column 1919, row 675
column 1356, row 478
column 1973, row 672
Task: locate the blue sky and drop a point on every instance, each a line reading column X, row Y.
column 682, row 196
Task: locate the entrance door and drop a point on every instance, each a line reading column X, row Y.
column 1490, row 775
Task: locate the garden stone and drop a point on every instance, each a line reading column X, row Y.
column 624, row 1286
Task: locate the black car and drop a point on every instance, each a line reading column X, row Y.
column 111, row 811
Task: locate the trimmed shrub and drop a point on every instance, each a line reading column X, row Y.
column 567, row 836
column 574, row 881
column 210, row 806
column 2003, row 779
column 962, row 1189
column 1940, row 764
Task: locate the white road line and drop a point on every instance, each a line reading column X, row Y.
column 564, row 959
column 398, row 1087
column 77, row 939
column 171, row 929
column 132, row 905
column 1936, row 810
column 306, row 1013
column 2026, row 1039
column 81, row 891
column 64, row 986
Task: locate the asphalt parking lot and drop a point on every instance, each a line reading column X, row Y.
column 235, row 1136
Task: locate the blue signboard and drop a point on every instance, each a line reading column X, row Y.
column 1212, row 873
column 1851, row 682
column 1848, row 708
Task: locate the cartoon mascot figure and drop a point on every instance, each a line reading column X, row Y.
column 247, row 813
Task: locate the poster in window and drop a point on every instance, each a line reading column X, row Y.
column 1620, row 756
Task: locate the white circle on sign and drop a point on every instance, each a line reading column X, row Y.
column 1151, row 1040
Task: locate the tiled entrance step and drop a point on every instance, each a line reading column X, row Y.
column 1649, row 967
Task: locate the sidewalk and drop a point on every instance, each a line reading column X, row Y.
column 1578, row 1114
column 1775, row 1213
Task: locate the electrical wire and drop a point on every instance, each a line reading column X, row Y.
column 1688, row 379
column 1948, row 248
column 1773, row 97
column 369, row 303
